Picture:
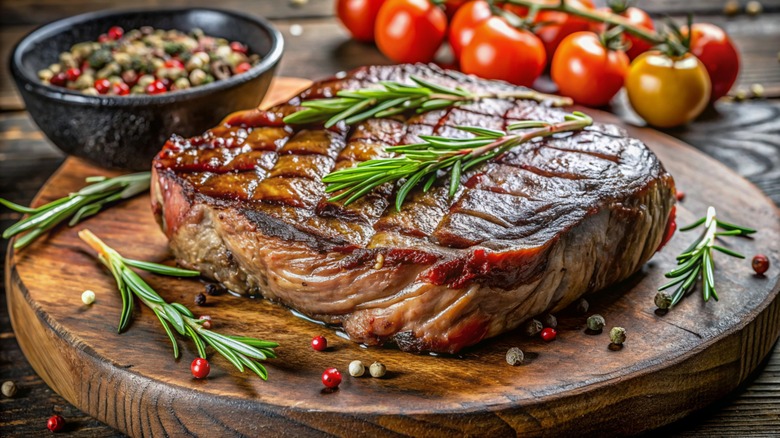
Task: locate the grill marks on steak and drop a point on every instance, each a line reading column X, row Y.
column 244, row 202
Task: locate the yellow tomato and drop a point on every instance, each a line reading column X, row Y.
column 667, row 91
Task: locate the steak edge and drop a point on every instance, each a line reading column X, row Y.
column 529, row 232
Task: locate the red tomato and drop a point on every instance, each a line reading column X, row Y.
column 410, row 30
column 500, row 51
column 638, row 18
column 359, row 17
column 562, row 24
column 587, row 71
column 468, row 17
column 715, row 50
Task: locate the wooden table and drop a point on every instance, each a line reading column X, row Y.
column 743, row 135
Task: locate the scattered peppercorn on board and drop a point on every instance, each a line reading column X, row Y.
column 669, row 365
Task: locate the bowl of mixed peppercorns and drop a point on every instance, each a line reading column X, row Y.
column 112, row 87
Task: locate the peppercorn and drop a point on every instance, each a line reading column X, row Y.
column 214, row 289
column 760, row 264
column 377, row 369
column 200, row 299
column 679, row 195
column 319, row 343
column 206, row 321
column 549, row 320
column 45, row 74
column 596, row 322
column 9, row 388
column 757, row 90
column 617, row 335
column 532, row 327
column 356, row 368
column 582, row 306
column 548, row 334
column 663, row 300
column 99, row 58
column 331, row 378
column 754, row 8
column 197, row 77
column 514, row 356
column 182, row 84
column 90, row 91
column 55, row 68
column 731, row 8
column 200, row 368
column 137, row 89
column 84, row 81
column 55, row 423
column 145, row 80
column 88, row 297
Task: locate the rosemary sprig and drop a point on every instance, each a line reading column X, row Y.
column 76, row 206
column 241, row 351
column 354, row 106
column 697, row 262
column 422, row 162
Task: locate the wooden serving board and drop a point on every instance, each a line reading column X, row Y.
column 671, row 364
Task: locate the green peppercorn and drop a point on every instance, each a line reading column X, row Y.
column 111, row 69
column 84, row 81
column 182, row 83
column 194, row 62
column 137, row 89
column 82, row 50
column 596, row 322
column 99, row 58
column 68, row 60
column 172, row 47
column 198, row 77
column 115, row 79
column 617, row 335
column 663, row 300
column 514, row 356
column 124, row 60
column 197, row 33
column 145, row 80
column 91, row 91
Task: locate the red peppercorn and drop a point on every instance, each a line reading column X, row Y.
column 174, row 63
column 156, row 87
column 206, row 321
column 331, row 378
column 120, row 88
column 238, row 47
column 319, row 343
column 240, row 68
column 56, row 423
column 103, row 38
column 200, row 368
column 73, row 73
column 680, row 195
column 59, row 79
column 102, row 86
column 549, row 334
column 115, row 32
column 760, row 264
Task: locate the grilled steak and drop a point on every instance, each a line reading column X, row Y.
column 528, row 232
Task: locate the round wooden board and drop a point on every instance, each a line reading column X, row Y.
column 670, row 365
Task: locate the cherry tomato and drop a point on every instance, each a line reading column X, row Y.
column 468, row 17
column 500, row 51
column 666, row 91
column 637, row 17
column 716, row 51
column 359, row 17
column 410, row 30
column 561, row 24
column 587, row 71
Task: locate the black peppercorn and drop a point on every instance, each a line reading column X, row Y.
column 214, row 289
column 549, row 320
column 200, row 299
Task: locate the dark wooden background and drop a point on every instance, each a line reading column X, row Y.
column 744, row 135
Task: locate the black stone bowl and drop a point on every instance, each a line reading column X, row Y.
column 127, row 131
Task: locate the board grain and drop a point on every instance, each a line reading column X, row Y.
column 670, row 366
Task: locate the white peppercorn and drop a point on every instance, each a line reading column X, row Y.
column 9, row 389
column 356, row 368
column 377, row 369
column 514, row 356
column 88, row 297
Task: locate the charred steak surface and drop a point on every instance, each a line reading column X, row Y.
column 528, row 232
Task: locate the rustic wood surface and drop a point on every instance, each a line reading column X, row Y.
column 707, row 350
column 745, row 136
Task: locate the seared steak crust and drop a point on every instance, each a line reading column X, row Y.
column 526, row 233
